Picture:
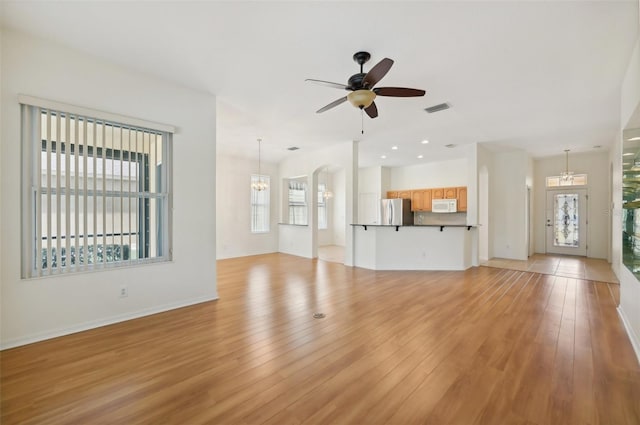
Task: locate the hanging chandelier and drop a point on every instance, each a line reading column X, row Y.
column 566, row 176
column 260, row 184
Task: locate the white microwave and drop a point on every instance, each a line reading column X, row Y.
column 444, row 205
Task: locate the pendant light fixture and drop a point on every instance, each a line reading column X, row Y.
column 566, row 176
column 260, row 184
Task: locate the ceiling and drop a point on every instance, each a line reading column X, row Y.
column 540, row 76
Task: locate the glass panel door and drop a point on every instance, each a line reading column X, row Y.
column 567, row 222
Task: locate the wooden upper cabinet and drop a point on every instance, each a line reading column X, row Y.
column 416, row 200
column 450, row 193
column 462, row 198
column 426, row 199
column 421, row 200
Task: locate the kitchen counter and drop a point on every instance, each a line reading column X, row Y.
column 415, row 247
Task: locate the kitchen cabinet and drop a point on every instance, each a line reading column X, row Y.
column 462, row 198
column 421, row 200
column 403, row 194
column 450, row 193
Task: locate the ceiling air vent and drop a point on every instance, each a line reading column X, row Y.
column 293, row 148
column 437, row 108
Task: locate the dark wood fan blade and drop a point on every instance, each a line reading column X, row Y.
column 332, row 105
column 398, row 92
column 372, row 110
column 376, row 73
column 328, row 84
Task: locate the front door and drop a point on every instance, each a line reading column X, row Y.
column 567, row 221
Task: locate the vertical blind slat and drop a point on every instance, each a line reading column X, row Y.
column 67, row 193
column 76, row 185
column 143, row 180
column 102, row 195
column 49, row 215
column 94, row 254
column 121, row 194
column 37, row 176
column 85, row 197
column 58, row 193
column 129, row 192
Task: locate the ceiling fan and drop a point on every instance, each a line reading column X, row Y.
column 362, row 89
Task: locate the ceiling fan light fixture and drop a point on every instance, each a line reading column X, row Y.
column 361, row 99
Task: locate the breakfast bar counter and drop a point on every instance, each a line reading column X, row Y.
column 419, row 247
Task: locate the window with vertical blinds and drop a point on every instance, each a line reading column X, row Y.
column 260, row 204
column 297, row 202
column 96, row 192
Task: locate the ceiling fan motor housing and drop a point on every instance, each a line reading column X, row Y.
column 355, row 81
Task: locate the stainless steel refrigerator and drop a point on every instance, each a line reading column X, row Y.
column 395, row 212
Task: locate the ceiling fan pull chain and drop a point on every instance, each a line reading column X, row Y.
column 362, row 120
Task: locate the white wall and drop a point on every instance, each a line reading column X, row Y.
column 432, row 174
column 35, row 309
column 372, row 186
column 338, row 223
column 483, row 200
column 233, row 208
column 302, row 240
column 629, row 308
column 508, row 205
column 596, row 166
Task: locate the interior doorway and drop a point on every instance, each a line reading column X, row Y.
column 566, row 221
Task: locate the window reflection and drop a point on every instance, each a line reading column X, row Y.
column 631, row 200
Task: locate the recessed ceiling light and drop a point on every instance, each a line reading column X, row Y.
column 395, row 148
column 383, row 156
column 633, row 139
column 450, row 145
column 420, row 157
column 293, row 148
column 628, row 154
column 424, row 142
column 597, row 146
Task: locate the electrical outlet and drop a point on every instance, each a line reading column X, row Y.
column 124, row 291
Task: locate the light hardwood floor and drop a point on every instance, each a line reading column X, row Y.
column 560, row 265
column 483, row 346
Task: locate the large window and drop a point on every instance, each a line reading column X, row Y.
column 260, row 204
column 297, row 202
column 322, row 206
column 96, row 192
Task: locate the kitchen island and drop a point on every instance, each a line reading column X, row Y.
column 415, row 247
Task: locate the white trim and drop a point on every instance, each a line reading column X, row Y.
column 41, row 336
column 635, row 341
column 94, row 113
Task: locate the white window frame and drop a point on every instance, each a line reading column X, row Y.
column 264, row 203
column 78, row 251
column 578, row 180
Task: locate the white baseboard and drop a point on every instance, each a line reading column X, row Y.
column 41, row 336
column 635, row 341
